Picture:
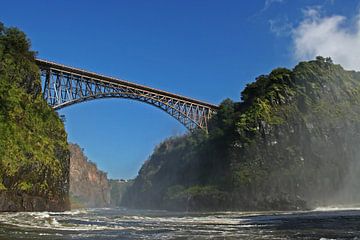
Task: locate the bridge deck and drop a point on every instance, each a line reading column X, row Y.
column 71, row 70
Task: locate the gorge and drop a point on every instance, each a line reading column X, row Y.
column 290, row 143
column 89, row 186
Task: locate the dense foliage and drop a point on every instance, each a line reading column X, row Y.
column 291, row 142
column 34, row 159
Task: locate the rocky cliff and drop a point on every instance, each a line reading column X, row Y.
column 89, row 187
column 292, row 142
column 34, row 159
column 118, row 190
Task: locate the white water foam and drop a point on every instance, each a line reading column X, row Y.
column 74, row 221
column 337, row 208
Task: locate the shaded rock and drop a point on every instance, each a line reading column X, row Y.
column 89, row 187
column 22, row 202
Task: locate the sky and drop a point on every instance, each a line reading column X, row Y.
column 204, row 49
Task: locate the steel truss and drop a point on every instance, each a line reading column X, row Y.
column 64, row 86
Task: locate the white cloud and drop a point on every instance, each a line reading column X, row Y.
column 329, row 36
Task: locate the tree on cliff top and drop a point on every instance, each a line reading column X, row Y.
column 33, row 148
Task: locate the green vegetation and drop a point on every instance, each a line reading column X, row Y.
column 34, row 158
column 288, row 144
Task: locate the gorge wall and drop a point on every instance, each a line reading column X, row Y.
column 118, row 191
column 89, row 187
column 292, row 142
column 34, row 158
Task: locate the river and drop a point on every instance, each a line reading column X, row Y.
column 131, row 224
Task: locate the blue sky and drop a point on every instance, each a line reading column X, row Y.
column 203, row 49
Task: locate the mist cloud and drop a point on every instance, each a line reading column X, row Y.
column 328, row 36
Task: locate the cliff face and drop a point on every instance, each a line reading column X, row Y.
column 89, row 187
column 291, row 143
column 34, row 159
column 118, row 189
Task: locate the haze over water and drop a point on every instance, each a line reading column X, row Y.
column 130, row 224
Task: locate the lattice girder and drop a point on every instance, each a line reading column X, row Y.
column 64, row 86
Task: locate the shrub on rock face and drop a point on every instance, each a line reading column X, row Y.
column 34, row 159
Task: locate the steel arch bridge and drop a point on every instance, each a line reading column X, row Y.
column 64, row 86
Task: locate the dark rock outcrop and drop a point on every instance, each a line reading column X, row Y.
column 21, row 202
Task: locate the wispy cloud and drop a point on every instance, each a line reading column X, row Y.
column 268, row 4
column 329, row 36
column 281, row 27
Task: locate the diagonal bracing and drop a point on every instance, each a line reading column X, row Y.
column 64, row 86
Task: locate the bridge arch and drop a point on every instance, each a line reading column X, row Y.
column 64, row 86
